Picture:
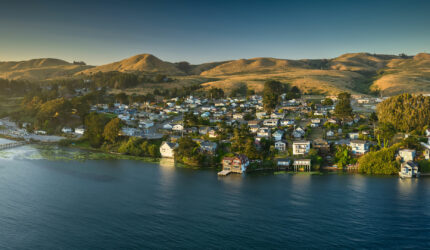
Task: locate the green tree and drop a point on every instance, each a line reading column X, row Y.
column 95, row 124
column 343, row 156
column 271, row 92
column 343, row 107
column 380, row 162
column 327, row 102
column 405, row 112
column 112, row 129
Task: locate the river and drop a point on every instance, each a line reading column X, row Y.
column 118, row 204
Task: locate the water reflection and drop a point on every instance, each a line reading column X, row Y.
column 406, row 187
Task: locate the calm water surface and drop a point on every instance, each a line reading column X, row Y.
column 129, row 204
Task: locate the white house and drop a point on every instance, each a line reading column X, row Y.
column 353, row 135
column 278, row 135
column 271, row 122
column 301, row 147
column 330, row 133
column 359, row 146
column 168, row 126
column 67, row 130
column 287, row 122
column 263, row 132
column 167, row 149
column 79, row 130
column 178, row 127
column 280, row 146
column 407, row 154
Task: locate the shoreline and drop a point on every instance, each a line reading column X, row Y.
column 105, row 155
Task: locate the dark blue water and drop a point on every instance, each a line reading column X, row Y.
column 129, row 204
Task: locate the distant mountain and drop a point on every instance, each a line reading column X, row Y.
column 138, row 63
column 353, row 72
column 39, row 69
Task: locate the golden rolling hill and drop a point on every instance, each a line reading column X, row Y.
column 353, row 72
column 139, row 63
column 39, row 69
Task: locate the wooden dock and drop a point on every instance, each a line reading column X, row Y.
column 224, row 173
column 12, row 145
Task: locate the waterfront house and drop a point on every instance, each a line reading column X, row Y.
column 301, row 147
column 408, row 170
column 167, row 149
column 359, row 147
column 283, row 163
column 280, row 146
column 302, row 163
column 407, row 154
column 235, row 164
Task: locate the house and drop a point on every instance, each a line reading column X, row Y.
column 287, row 123
column 80, row 130
column 353, row 135
column 315, row 122
column 283, row 163
column 276, row 115
column 330, row 133
column 271, row 122
column 263, row 132
column 408, row 170
column 253, row 128
column 253, row 123
column 407, row 154
column 208, row 147
column 212, row 133
column 67, row 130
column 238, row 116
column 301, row 147
column 167, row 149
column 204, row 130
column 278, row 135
column 178, row 127
column 280, row 146
column 298, row 132
column 302, row 163
column 426, row 151
column 235, row 164
column 260, row 115
column 359, row 147
column 168, row 126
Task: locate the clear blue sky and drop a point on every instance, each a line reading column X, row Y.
column 100, row 32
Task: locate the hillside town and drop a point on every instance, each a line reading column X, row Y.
column 242, row 134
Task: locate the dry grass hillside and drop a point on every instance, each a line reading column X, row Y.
column 353, row 72
column 39, row 69
column 405, row 75
column 139, row 63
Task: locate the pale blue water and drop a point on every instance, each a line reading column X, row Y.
column 134, row 205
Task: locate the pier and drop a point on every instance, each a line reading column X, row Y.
column 12, row 145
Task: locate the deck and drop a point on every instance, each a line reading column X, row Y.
column 12, row 145
column 224, row 173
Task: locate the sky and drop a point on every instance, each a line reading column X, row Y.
column 100, row 32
